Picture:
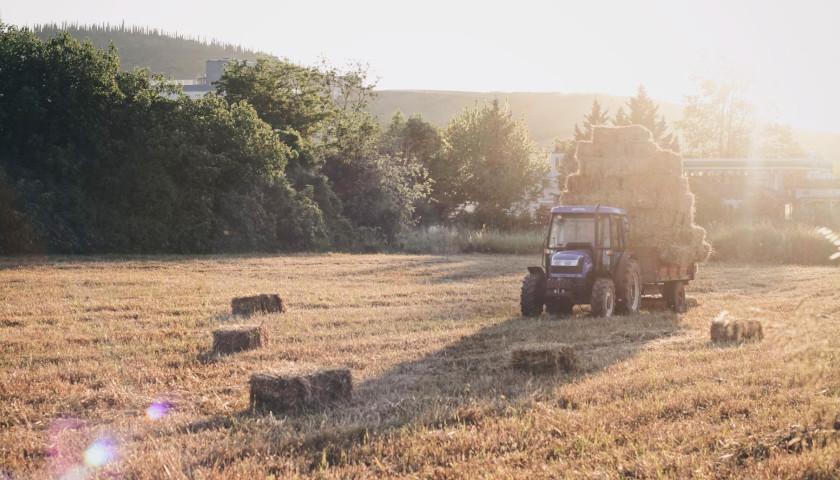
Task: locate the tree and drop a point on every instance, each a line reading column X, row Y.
column 717, row 122
column 321, row 113
column 595, row 117
column 98, row 160
column 642, row 110
column 417, row 142
column 778, row 142
column 493, row 161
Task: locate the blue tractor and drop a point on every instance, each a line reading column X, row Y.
column 586, row 261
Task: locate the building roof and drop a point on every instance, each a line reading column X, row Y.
column 588, row 209
column 757, row 164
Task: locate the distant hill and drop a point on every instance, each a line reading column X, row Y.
column 548, row 115
column 174, row 55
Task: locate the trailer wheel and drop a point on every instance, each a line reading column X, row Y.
column 628, row 288
column 560, row 307
column 531, row 299
column 674, row 294
column 603, row 297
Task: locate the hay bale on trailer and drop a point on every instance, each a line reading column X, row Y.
column 238, row 338
column 271, row 392
column 623, row 167
column 544, row 358
column 264, row 303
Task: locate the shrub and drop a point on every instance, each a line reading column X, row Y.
column 770, row 243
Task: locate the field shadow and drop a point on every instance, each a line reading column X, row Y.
column 469, row 379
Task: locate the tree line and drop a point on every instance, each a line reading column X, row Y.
column 718, row 122
column 284, row 157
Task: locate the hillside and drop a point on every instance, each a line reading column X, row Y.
column 174, row 55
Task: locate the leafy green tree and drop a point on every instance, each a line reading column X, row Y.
column 99, row 160
column 418, row 145
column 717, row 122
column 494, row 163
column 642, row 110
column 321, row 113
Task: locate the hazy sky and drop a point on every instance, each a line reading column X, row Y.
column 788, row 51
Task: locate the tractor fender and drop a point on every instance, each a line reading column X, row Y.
column 536, row 271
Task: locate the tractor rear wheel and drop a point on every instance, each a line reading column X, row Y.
column 603, row 298
column 628, row 288
column 674, row 294
column 533, row 292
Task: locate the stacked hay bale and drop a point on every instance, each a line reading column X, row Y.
column 623, row 167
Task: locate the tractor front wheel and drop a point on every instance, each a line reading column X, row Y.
column 533, row 293
column 674, row 294
column 603, row 297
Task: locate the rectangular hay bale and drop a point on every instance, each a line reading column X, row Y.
column 263, row 303
column 544, row 358
column 238, row 338
column 277, row 393
column 733, row 330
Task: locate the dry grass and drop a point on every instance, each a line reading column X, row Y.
column 88, row 345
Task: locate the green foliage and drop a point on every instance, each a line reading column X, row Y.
column 173, row 55
column 776, row 243
column 418, row 144
column 717, row 122
column 102, row 160
column 641, row 110
column 493, row 164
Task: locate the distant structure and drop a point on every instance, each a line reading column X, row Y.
column 551, row 183
column 796, row 183
column 203, row 85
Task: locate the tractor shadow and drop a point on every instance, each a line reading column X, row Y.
column 471, row 378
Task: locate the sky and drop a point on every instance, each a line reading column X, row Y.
column 786, row 52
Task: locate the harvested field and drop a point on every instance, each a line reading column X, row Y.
column 102, row 356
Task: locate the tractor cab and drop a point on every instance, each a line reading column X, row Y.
column 584, row 262
column 584, row 238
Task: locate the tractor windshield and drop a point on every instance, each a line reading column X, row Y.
column 571, row 229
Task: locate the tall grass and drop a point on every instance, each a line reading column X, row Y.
column 448, row 240
column 770, row 243
column 767, row 243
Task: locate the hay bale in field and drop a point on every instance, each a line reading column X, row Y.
column 733, row 330
column 238, row 338
column 277, row 393
column 544, row 358
column 264, row 303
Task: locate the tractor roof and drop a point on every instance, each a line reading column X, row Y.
column 591, row 209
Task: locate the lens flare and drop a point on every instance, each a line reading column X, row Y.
column 158, row 410
column 101, row 452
